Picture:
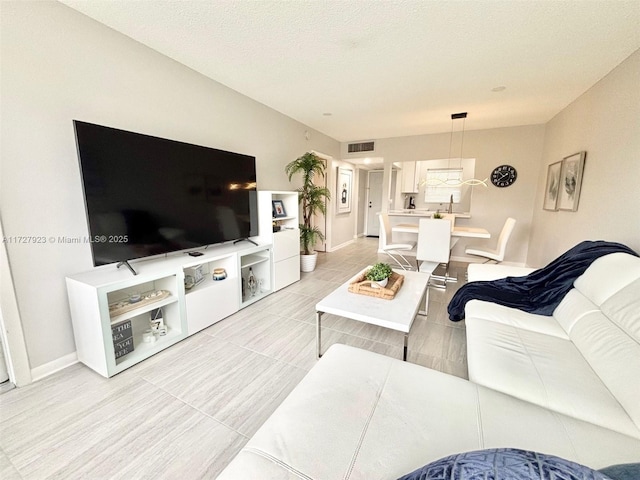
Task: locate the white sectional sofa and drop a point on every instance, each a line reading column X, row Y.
column 584, row 361
column 566, row 385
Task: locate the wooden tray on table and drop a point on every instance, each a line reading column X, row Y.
column 363, row 286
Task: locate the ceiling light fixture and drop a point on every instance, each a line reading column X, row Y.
column 451, row 182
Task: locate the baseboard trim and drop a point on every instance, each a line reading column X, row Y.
column 43, row 371
column 342, row 245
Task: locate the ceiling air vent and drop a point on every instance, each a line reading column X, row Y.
column 360, row 147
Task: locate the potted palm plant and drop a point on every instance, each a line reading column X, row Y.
column 312, row 200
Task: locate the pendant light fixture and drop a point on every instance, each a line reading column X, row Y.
column 454, row 182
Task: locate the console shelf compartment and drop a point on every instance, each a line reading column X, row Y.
column 96, row 344
column 212, row 300
column 147, row 307
column 250, row 260
column 259, row 262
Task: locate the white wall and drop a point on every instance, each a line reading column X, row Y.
column 343, row 225
column 58, row 65
column 518, row 146
column 604, row 122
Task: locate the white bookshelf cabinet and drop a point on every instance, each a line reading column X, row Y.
column 286, row 241
column 111, row 340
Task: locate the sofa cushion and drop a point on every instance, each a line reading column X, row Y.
column 514, row 317
column 607, row 275
column 360, row 415
column 503, row 463
column 573, row 307
column 542, row 369
column 490, row 271
column 609, row 342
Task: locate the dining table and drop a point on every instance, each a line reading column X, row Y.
column 457, row 232
column 468, row 232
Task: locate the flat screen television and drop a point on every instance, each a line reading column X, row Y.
column 147, row 196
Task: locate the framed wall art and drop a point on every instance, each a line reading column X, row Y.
column 571, row 181
column 344, row 186
column 552, row 188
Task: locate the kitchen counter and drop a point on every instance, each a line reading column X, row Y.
column 423, row 213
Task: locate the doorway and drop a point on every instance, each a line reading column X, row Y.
column 374, row 200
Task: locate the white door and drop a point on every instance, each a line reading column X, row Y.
column 374, row 203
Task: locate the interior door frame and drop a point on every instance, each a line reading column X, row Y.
column 12, row 336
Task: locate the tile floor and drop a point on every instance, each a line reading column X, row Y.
column 187, row 411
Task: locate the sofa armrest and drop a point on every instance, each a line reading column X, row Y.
column 483, row 271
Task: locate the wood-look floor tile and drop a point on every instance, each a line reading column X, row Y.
column 295, row 306
column 361, row 329
column 330, row 337
column 138, row 421
column 289, row 341
column 232, row 384
column 200, row 449
column 7, row 470
column 317, row 289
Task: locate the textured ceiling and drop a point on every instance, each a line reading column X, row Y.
column 390, row 68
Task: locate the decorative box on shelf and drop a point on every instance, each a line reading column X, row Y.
column 122, row 335
column 120, row 349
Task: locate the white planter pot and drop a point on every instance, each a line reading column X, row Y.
column 380, row 284
column 308, row 262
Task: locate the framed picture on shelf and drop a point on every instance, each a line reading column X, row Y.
column 552, row 188
column 571, row 181
column 277, row 209
column 343, row 189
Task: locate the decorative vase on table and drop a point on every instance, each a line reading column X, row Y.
column 380, row 283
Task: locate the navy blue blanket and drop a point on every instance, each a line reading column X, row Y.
column 541, row 291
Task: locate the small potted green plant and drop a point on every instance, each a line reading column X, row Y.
column 379, row 274
column 437, row 215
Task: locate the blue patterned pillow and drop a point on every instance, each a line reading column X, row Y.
column 503, row 464
column 626, row 471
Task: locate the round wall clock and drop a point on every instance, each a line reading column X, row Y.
column 503, row 176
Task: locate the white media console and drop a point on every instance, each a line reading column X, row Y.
column 111, row 341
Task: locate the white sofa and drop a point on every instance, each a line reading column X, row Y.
column 583, row 361
column 567, row 385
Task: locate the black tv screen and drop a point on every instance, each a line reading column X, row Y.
column 147, row 195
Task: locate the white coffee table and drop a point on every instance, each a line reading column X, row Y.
column 396, row 314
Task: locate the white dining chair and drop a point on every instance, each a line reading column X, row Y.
column 434, row 248
column 496, row 254
column 393, row 249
